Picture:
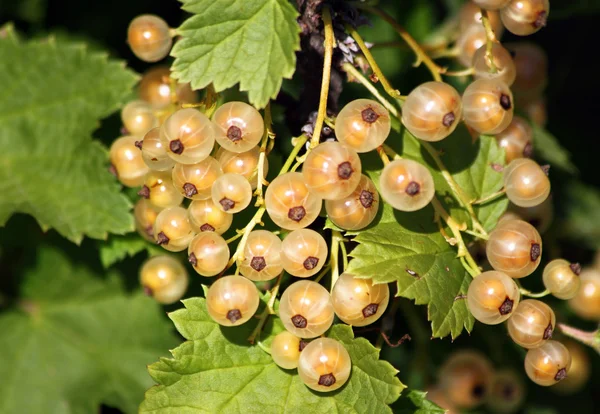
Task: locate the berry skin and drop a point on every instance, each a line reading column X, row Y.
column 158, row 188
column 406, row 185
column 488, row 106
column 540, row 216
column 289, row 203
column 531, row 65
column 531, row 324
column 516, row 139
column 154, row 153
column 149, row 38
column 138, row 118
column 526, row 183
column 145, row 215
column 506, row 70
column 561, row 278
column 238, row 126
column 580, row 370
column 155, row 88
column 303, row 252
column 204, row 215
column 359, row 302
column 231, row 193
column 208, row 253
column 195, row 181
column 465, row 378
column 324, row 365
column 188, row 136
column 306, row 309
column 262, row 256
column 507, row 393
column 126, row 159
column 586, row 303
column 438, row 397
column 172, row 229
column 285, row 350
column 470, row 41
column 548, row 364
column 432, row 111
column 491, row 4
column 493, row 297
column 363, row 125
column 525, row 17
column 332, row 170
column 470, row 15
column 232, row 300
column 356, row 211
column 244, row 163
column 164, row 278
column 514, row 248
column 536, row 111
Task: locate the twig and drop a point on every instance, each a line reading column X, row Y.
column 591, row 339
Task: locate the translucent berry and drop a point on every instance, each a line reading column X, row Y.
column 306, row 309
column 285, row 350
column 172, row 229
column 244, row 163
column 289, row 203
column 149, row 38
column 232, row 300
column 536, row 111
column 332, row 170
column 154, row 152
column 432, row 111
column 507, row 392
column 303, row 252
column 406, row 185
column 155, row 88
column 493, row 297
column 531, row 324
column 503, row 61
column 548, row 364
column 531, row 65
column 470, row 15
column 526, row 183
column 145, row 215
column 262, row 256
column 586, row 303
column 466, row 378
column 437, row 396
column 491, row 4
column 540, row 216
column 470, row 41
column 206, row 216
column 138, row 117
column 208, row 253
column 515, row 248
column 188, row 136
column 525, row 17
column 363, row 125
column 357, row 210
column 516, row 139
column 580, row 371
column 195, row 180
column 127, row 163
column 238, row 126
column 231, row 193
column 359, row 302
column 158, row 188
column 324, row 365
column 488, row 106
column 164, row 278
column 561, row 278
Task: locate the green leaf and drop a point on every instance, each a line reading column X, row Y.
column 582, row 218
column 225, row 42
column 76, row 341
column 53, row 95
column 548, row 148
column 416, row 403
column 117, row 248
column 217, row 370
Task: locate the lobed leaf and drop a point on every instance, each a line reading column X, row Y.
column 117, row 248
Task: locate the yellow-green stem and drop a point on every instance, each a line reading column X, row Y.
column 355, row 73
column 490, row 37
column 336, row 239
column 491, row 197
column 268, row 310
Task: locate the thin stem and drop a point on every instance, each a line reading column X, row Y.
column 268, row 311
column 239, row 234
column 323, row 272
column 468, row 267
column 355, row 73
column 300, row 141
column 445, row 53
column 459, row 73
column 260, row 169
column 389, row 89
column 490, row 37
column 384, row 157
column 412, row 43
column 478, row 235
column 591, row 339
column 491, row 197
column 329, row 43
column 530, row 294
column 344, row 255
column 336, row 238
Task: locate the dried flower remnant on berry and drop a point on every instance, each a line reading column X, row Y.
column 234, row 133
column 327, row 380
column 206, row 227
column 234, row 315
column 310, row 262
column 370, row 310
column 190, row 189
column 258, row 263
column 176, row 146
column 506, row 306
column 162, row 238
column 192, row 259
column 535, row 252
column 548, row 331
column 296, row 213
column 369, row 115
column 413, row 188
column 299, row 321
